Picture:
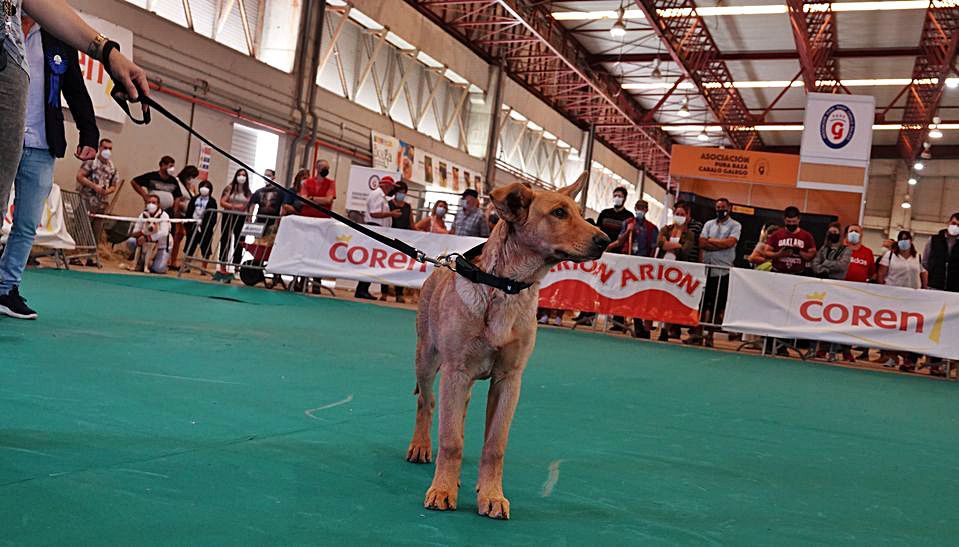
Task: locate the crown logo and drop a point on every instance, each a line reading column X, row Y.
column 344, row 238
column 816, row 296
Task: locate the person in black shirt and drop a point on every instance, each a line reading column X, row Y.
column 404, row 222
column 162, row 183
column 610, row 221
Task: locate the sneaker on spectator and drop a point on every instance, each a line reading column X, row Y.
column 543, row 319
column 890, row 363
column 14, row 305
column 558, row 321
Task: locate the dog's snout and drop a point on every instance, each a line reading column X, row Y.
column 601, row 240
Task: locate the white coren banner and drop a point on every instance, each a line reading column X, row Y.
column 895, row 318
column 312, row 247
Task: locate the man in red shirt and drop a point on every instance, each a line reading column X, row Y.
column 862, row 263
column 791, row 247
column 319, row 189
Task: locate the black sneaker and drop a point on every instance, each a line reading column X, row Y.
column 14, row 305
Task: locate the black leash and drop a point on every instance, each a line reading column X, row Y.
column 461, row 264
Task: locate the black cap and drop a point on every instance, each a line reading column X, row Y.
column 470, row 192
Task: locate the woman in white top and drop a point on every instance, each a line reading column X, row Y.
column 235, row 198
column 902, row 267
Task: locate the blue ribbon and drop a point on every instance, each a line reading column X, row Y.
column 58, row 67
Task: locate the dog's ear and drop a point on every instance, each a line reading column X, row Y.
column 575, row 188
column 512, row 202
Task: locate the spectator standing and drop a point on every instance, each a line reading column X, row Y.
column 403, row 222
column 832, row 258
column 267, row 201
column 202, row 209
column 162, row 183
column 677, row 242
column 862, row 263
column 378, row 213
column 470, row 220
column 291, row 205
column 903, row 267
column 758, row 257
column 187, row 178
column 96, row 182
column 153, row 226
column 611, row 221
column 320, row 189
column 434, row 222
column 637, row 237
column 790, row 247
column 941, row 260
column 718, row 239
column 52, row 63
column 235, row 199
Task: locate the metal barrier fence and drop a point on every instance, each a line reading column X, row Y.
column 237, row 244
column 77, row 220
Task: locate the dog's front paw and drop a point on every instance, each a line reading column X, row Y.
column 419, row 452
column 494, row 505
column 440, row 499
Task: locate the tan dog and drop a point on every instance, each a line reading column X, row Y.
column 473, row 332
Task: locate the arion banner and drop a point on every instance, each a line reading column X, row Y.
column 660, row 290
column 787, row 306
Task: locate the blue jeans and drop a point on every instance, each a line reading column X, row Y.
column 32, row 186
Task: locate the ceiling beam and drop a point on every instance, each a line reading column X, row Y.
column 940, row 37
column 691, row 46
column 882, row 151
column 769, row 55
column 814, row 32
column 546, row 59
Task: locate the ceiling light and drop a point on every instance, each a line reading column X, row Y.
column 912, row 181
column 952, row 83
column 918, row 166
column 618, row 30
column 702, row 137
column 656, row 74
column 906, row 205
column 684, row 109
column 935, row 132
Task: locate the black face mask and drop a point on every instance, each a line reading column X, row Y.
column 721, row 213
column 792, row 228
column 324, row 172
column 832, row 238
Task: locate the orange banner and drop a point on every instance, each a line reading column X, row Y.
column 729, row 165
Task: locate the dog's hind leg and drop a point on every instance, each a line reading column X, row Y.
column 420, row 449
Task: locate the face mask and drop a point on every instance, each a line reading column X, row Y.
column 171, row 171
column 204, row 191
column 833, row 237
column 400, row 196
column 324, row 172
column 440, row 211
column 792, row 227
column 640, row 215
column 853, row 238
column 679, row 220
column 721, row 213
column 106, row 153
column 241, row 179
column 151, row 207
column 618, row 201
column 905, row 244
column 953, row 230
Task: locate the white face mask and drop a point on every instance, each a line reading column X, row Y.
column 400, row 196
column 679, row 220
column 152, row 207
column 204, row 191
column 241, row 179
column 441, row 211
column 953, row 230
column 171, row 171
column 853, row 237
column 618, row 201
column 106, row 153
